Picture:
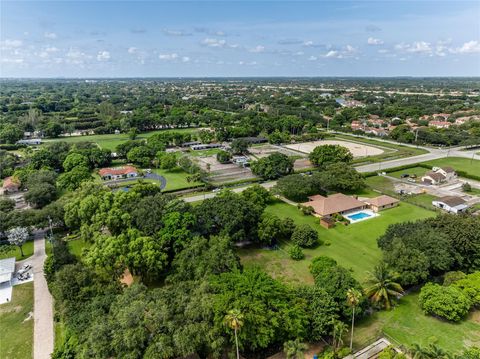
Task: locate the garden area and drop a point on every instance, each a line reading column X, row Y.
column 16, row 335
column 353, row 246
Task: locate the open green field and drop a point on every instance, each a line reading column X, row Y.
column 76, row 246
column 407, row 325
column 16, row 325
column 417, row 171
column 110, row 141
column 458, row 164
column 176, row 179
column 353, row 246
column 15, row 252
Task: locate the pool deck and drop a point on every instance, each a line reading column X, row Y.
column 370, row 213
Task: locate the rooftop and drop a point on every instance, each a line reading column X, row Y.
column 335, row 203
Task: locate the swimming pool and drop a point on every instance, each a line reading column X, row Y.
column 360, row 216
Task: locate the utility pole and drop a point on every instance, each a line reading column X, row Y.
column 51, row 230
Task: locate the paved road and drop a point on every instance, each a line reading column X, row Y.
column 43, row 303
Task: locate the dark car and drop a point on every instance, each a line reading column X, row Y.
column 404, row 175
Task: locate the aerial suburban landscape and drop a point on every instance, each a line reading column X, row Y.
column 285, row 201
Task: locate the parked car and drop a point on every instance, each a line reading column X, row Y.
column 404, row 175
column 25, row 268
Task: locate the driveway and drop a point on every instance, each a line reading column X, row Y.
column 43, row 303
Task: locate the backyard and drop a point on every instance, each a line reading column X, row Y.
column 353, row 246
column 16, row 328
column 458, row 164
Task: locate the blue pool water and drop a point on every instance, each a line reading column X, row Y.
column 360, row 215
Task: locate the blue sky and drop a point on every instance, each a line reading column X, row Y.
column 239, row 38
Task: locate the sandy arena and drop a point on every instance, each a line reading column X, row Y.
column 357, row 149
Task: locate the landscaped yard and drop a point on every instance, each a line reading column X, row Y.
column 353, row 246
column 110, row 141
column 15, row 252
column 76, row 246
column 176, row 179
column 16, row 324
column 407, row 324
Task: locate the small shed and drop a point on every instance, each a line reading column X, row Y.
column 327, row 222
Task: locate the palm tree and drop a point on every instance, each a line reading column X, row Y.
column 353, row 298
column 382, row 286
column 234, row 319
column 294, row 349
column 338, row 329
column 430, row 352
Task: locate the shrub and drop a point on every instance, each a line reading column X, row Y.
column 446, row 302
column 466, row 187
column 296, row 252
column 319, row 264
column 305, row 236
column 224, row 157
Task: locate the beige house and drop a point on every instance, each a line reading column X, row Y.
column 380, row 203
column 336, row 203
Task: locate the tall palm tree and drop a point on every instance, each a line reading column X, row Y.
column 338, row 329
column 234, row 319
column 294, row 349
column 353, row 298
column 382, row 286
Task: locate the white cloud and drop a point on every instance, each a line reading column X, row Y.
column 12, row 61
column 346, row 52
column 382, row 51
column 103, row 56
column 176, row 32
column 132, row 50
column 374, row 41
column 312, row 58
column 185, row 59
column 470, row 47
column 211, row 42
column 258, row 49
column 76, row 57
column 168, row 57
column 244, row 63
column 419, row 47
column 10, row 44
column 51, row 49
column 50, row 35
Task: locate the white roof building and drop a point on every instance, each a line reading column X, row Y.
column 7, row 268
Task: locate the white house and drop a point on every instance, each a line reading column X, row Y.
column 448, row 172
column 451, row 204
column 434, row 178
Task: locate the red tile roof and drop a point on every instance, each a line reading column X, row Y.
column 117, row 171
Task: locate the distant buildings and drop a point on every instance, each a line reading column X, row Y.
column 440, row 124
column 205, row 146
column 30, row 141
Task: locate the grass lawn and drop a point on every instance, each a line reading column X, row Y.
column 380, row 183
column 76, row 246
column 176, row 179
column 458, row 163
column 110, row 141
column 418, row 171
column 15, row 252
column 353, row 246
column 422, row 200
column 16, row 332
column 407, row 324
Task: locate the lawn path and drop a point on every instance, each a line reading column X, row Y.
column 43, row 303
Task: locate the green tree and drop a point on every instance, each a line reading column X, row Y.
column 295, row 252
column 382, row 287
column 224, row 157
column 74, row 160
column 338, row 177
column 294, row 349
column 353, row 300
column 73, row 179
column 10, row 133
column 446, row 302
column 239, row 146
column 273, row 166
column 167, row 161
column 305, row 236
column 234, row 320
column 321, row 156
